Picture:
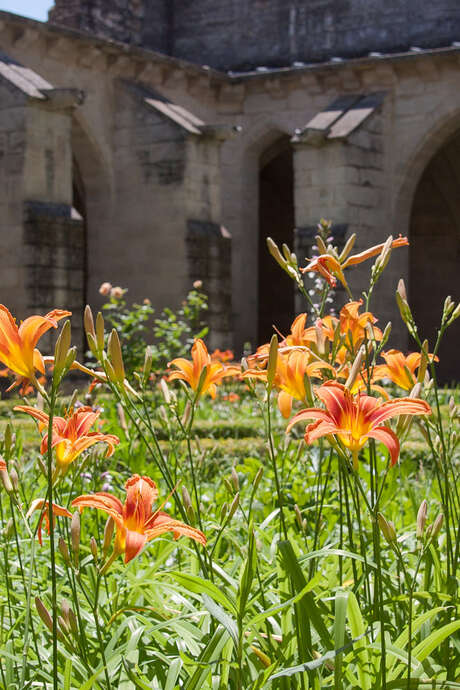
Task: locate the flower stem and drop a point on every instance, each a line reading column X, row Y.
column 52, row 403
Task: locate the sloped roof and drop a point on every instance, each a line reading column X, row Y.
column 23, row 78
column 341, row 117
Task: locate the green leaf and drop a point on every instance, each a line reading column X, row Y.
column 173, row 674
column 139, row 682
column 67, row 674
column 437, row 637
column 210, row 656
column 198, row 585
column 258, row 618
column 341, row 600
column 308, row 611
column 358, row 630
column 248, row 573
column 219, row 614
column 417, row 623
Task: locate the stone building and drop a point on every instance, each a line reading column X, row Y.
column 154, row 142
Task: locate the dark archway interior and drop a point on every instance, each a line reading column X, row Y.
column 81, row 265
column 435, row 253
column 276, row 220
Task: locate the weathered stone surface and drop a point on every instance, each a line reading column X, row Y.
column 237, row 34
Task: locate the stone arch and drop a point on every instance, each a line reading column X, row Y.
column 241, row 163
column 275, row 220
column 91, row 204
column 429, row 210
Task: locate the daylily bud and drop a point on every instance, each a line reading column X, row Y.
column 233, row 506
column 108, row 534
column 116, row 357
column 191, row 515
column 402, row 290
column 385, row 336
column 165, row 391
column 187, row 412
column 223, row 511
column 122, row 417
column 455, row 314
column 14, row 479
column 6, row 481
column 92, row 344
column 275, row 252
column 64, row 550
column 65, row 609
column 108, row 367
column 61, row 350
column 421, row 519
column 320, row 244
column 70, row 359
column 88, row 322
column 75, row 532
column 348, row 247
column 387, row 528
column 437, row 524
column 228, row 486
column 272, row 361
column 73, row 623
column 93, row 547
column 423, row 362
column 287, row 252
column 63, row 625
column 384, row 256
column 8, row 439
column 355, row 369
column 44, row 613
column 257, row 478
column 8, row 529
column 186, row 500
column 235, row 480
column 263, row 658
column 100, row 334
column 148, row 361
column 448, row 307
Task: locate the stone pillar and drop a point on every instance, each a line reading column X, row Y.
column 209, row 258
column 339, row 175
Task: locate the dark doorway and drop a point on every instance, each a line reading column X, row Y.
column 78, row 270
column 276, row 220
column 435, row 253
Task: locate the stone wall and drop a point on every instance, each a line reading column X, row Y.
column 242, row 34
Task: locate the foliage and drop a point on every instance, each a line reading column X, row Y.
column 171, row 334
column 325, row 566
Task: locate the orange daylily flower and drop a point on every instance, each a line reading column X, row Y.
column 191, row 371
column 331, row 269
column 222, row 355
column 18, row 345
column 353, row 324
column 399, row 368
column 135, row 520
column 291, row 370
column 42, row 505
column 374, row 251
column 71, row 434
column 354, row 419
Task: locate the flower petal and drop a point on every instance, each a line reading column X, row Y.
column 389, row 438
